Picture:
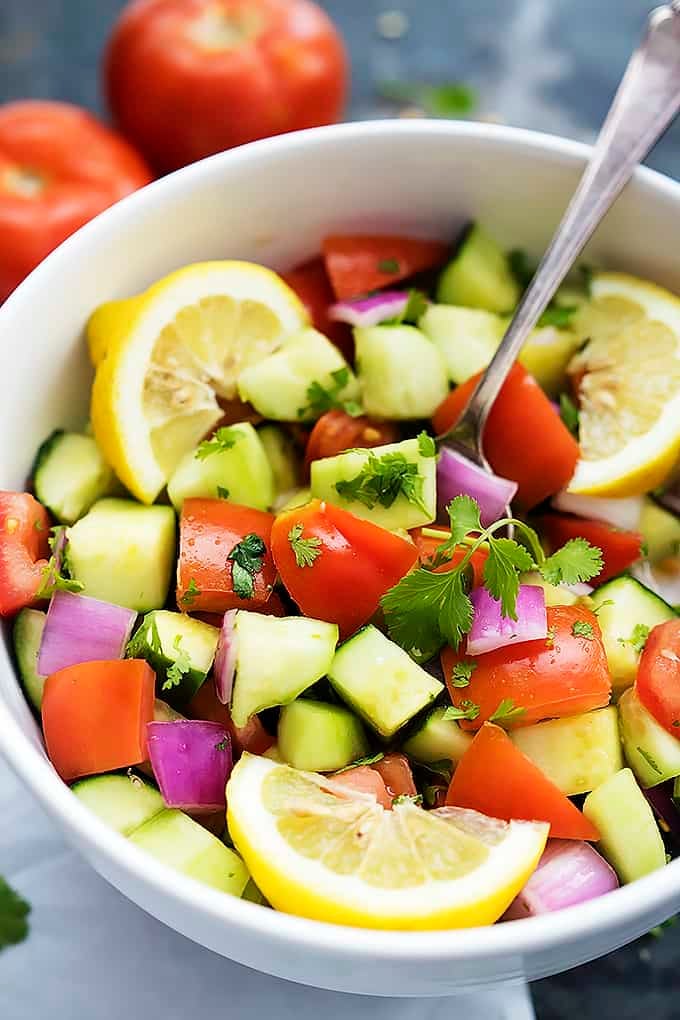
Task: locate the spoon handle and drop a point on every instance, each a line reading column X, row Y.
column 646, row 102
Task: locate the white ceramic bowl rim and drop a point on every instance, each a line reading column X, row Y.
column 617, row 911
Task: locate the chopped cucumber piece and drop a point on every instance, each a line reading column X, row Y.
column 660, row 530
column 626, row 611
column 179, row 648
column 387, row 509
column 70, row 474
column 122, row 802
column 178, row 841
column 555, row 594
column 283, row 458
column 437, row 739
column 651, row 751
column 546, row 355
column 380, row 681
column 239, row 471
column 629, row 836
column 278, row 385
column 26, row 638
column 401, row 373
column 577, row 753
column 479, row 275
column 318, row 737
column 467, row 337
column 277, row 658
column 124, row 552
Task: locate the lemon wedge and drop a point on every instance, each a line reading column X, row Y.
column 319, row 850
column 166, row 357
column 628, row 382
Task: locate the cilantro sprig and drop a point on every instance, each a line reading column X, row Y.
column 305, row 550
column 56, row 574
column 191, row 594
column 179, row 668
column 382, row 480
column 222, row 440
column 14, row 911
column 427, row 609
column 246, row 556
column 321, row 399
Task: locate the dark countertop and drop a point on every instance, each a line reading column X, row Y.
column 536, row 63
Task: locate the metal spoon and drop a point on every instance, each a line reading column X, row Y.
column 647, row 101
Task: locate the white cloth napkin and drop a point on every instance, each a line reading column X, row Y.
column 93, row 955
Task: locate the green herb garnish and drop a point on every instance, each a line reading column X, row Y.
column 559, row 316
column 321, row 399
column 223, row 745
column 246, row 556
column 382, row 479
column 427, row 609
column 222, row 440
column 179, row 668
column 191, row 594
column 462, row 673
column 370, row 759
column 414, row 309
column 305, row 550
column 389, row 266
column 222, row 493
column 507, row 712
column 581, row 628
column 449, row 99
column 14, row 911
column 466, row 710
column 55, row 574
column 426, row 445
column 638, row 637
column 569, row 413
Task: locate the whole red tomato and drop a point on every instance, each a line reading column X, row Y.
column 187, row 78
column 59, row 167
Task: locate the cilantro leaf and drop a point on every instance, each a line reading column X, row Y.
column 179, row 667
column 222, row 493
column 426, row 610
column 389, row 266
column 575, row 562
column 569, row 413
column 222, row 440
column 521, row 267
column 191, row 594
column 507, row 712
column 461, row 673
column 467, row 710
column 426, row 445
column 145, row 637
column 321, row 399
column 581, row 628
column 638, row 637
column 56, row 574
column 223, row 745
column 382, row 480
column 463, row 514
column 501, row 578
column 449, row 99
column 305, row 550
column 246, row 556
column 370, row 759
column 13, row 913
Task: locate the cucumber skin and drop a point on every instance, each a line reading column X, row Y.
column 26, row 637
column 629, row 836
column 618, row 620
column 318, row 737
column 123, row 803
column 99, row 481
column 140, row 646
column 640, row 730
column 578, row 753
column 479, row 275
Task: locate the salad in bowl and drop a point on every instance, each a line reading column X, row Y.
column 284, row 639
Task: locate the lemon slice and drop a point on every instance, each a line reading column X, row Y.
column 628, row 387
column 319, row 850
column 164, row 357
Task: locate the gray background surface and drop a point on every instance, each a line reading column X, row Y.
column 546, row 64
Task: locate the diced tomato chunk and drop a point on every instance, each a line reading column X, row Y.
column 619, row 548
column 24, row 530
column 360, row 264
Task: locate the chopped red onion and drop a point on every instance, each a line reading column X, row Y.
column 664, row 807
column 370, row 311
column 192, row 761
column 569, row 872
column 82, row 629
column 225, row 658
column 620, row 513
column 458, row 476
column 491, row 630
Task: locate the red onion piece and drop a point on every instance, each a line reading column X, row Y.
column 457, row 476
column 192, row 761
column 491, row 630
column 225, row 658
column 569, row 872
column 580, row 588
column 620, row 513
column 82, row 629
column 370, row 311
column 664, row 807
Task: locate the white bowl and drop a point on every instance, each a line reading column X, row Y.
column 273, row 202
